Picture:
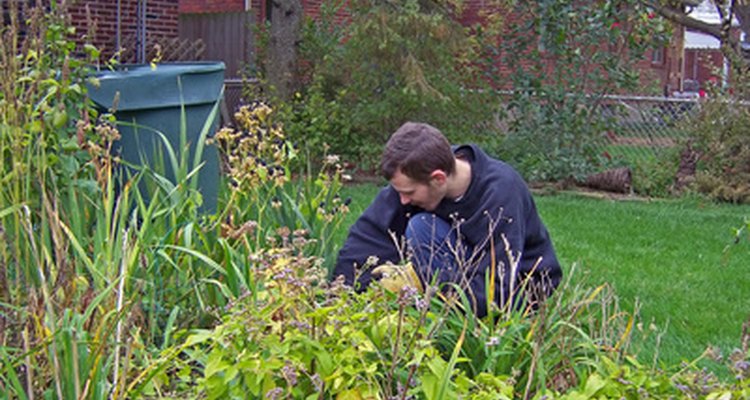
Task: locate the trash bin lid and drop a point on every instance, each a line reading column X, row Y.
column 141, row 86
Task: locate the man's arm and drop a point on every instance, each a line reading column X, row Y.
column 371, row 236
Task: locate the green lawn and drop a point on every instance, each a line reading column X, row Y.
column 667, row 255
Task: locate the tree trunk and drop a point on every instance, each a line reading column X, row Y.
column 286, row 19
column 688, row 163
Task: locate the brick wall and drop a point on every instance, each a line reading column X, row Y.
column 211, row 6
column 702, row 65
column 312, row 9
column 654, row 76
column 161, row 21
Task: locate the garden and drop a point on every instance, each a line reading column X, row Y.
column 116, row 280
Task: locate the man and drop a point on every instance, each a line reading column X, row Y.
column 465, row 219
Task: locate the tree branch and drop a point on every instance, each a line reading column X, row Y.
column 683, row 19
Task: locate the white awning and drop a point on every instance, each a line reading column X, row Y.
column 697, row 40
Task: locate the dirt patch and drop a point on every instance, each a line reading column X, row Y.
column 549, row 189
column 642, row 141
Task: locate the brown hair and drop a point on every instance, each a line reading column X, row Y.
column 416, row 150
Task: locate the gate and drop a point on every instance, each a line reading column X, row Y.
column 228, row 37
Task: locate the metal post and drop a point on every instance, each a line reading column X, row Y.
column 141, row 30
column 118, row 38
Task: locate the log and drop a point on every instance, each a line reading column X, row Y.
column 619, row 180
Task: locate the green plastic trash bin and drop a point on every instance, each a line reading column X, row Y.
column 153, row 98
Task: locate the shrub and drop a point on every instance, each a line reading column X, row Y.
column 360, row 90
column 721, row 137
column 299, row 336
column 655, row 176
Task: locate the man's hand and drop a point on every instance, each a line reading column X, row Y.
column 395, row 277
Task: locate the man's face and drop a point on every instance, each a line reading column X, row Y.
column 424, row 195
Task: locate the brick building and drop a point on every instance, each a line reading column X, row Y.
column 222, row 30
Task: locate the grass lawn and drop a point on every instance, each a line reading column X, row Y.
column 676, row 258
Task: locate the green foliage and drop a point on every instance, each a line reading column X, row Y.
column 298, row 335
column 50, row 167
column 99, row 279
column 263, row 196
column 655, row 175
column 564, row 57
column 383, row 65
column 537, row 348
column 42, row 90
column 721, row 137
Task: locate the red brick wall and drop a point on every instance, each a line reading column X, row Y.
column 161, row 21
column 312, row 9
column 211, row 6
column 667, row 73
column 702, row 65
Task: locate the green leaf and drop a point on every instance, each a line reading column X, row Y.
column 10, row 210
column 198, row 337
column 215, row 364
column 593, row 384
column 325, row 363
column 206, row 259
column 351, row 394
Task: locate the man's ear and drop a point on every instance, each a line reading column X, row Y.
column 438, row 176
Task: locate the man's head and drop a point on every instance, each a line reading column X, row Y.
column 417, row 160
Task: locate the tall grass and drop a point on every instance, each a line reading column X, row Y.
column 91, row 276
column 100, row 267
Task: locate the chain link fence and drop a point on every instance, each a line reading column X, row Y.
column 646, row 135
column 642, row 132
column 641, row 136
column 642, row 128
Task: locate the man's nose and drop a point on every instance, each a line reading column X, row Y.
column 404, row 199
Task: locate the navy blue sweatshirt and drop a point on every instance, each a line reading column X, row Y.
column 496, row 201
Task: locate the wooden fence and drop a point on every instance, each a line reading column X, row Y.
column 228, row 37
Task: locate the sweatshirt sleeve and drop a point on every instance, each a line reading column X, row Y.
column 371, row 236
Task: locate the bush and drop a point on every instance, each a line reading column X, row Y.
column 655, row 176
column 722, row 139
column 299, row 336
column 360, row 91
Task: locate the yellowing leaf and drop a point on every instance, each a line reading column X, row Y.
column 352, row 394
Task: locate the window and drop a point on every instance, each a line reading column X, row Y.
column 269, row 10
column 657, row 56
